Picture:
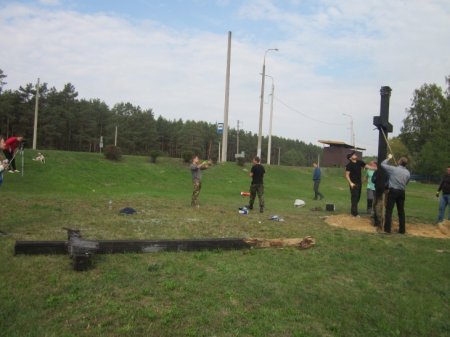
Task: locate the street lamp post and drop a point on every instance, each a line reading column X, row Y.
column 269, row 146
column 261, row 104
column 352, row 134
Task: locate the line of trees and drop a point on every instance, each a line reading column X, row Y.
column 69, row 123
column 425, row 135
column 66, row 122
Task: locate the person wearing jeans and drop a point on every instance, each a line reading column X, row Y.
column 370, row 187
column 398, row 179
column 444, row 201
column 316, row 179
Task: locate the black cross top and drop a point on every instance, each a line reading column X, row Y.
column 382, row 121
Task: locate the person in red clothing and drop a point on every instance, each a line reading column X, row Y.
column 9, row 149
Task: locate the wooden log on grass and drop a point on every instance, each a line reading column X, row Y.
column 303, row 243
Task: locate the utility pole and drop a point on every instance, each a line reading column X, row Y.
column 237, row 138
column 353, row 135
column 269, row 147
column 261, row 103
column 352, row 131
column 218, row 159
column 36, row 108
column 279, row 150
column 227, row 100
column 115, row 137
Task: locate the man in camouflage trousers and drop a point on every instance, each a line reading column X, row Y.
column 257, row 186
column 196, row 170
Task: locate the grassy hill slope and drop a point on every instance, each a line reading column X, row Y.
column 349, row 284
column 90, row 176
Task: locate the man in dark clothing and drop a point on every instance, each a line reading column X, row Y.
column 257, row 185
column 444, row 186
column 353, row 176
column 316, row 179
column 398, row 179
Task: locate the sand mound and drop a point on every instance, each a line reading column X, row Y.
column 364, row 224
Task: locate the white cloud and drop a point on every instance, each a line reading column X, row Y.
column 50, row 2
column 352, row 48
column 333, row 59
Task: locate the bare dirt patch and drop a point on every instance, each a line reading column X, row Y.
column 364, row 224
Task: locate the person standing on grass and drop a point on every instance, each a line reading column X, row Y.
column 316, row 179
column 3, row 165
column 196, row 170
column 398, row 179
column 353, row 176
column 370, row 186
column 3, row 168
column 9, row 149
column 444, row 201
column 379, row 202
column 257, row 186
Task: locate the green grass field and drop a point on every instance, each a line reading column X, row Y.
column 349, row 284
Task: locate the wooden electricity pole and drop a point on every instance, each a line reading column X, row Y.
column 36, row 108
column 227, row 100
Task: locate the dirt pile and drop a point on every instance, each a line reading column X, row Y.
column 364, row 224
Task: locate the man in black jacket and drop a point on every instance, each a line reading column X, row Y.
column 257, row 186
column 445, row 197
column 353, row 177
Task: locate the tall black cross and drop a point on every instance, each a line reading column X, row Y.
column 384, row 127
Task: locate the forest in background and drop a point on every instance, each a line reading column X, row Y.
column 66, row 122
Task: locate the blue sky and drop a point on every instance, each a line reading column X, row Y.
column 170, row 56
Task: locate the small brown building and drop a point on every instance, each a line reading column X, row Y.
column 335, row 154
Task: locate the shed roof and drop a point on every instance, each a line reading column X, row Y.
column 336, row 143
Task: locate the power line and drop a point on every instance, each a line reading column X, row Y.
column 305, row 115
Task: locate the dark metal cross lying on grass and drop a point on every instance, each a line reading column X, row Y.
column 81, row 250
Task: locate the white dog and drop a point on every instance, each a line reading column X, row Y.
column 40, row 157
column 4, row 164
